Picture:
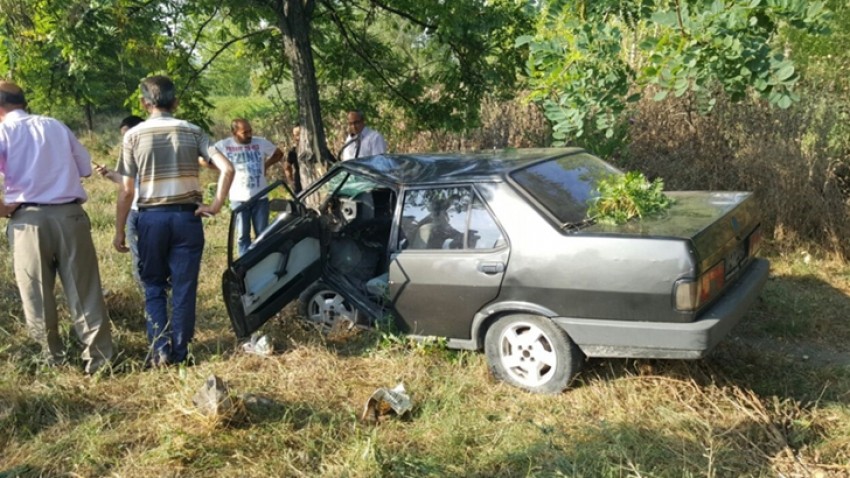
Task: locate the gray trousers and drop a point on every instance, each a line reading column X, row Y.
column 57, row 238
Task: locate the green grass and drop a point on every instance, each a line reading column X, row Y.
column 755, row 407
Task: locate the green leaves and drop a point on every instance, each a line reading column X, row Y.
column 628, row 196
column 77, row 57
column 576, row 73
column 583, row 62
column 431, row 62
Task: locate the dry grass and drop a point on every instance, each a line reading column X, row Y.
column 756, row 407
column 797, row 161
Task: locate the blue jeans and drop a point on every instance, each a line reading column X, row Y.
column 258, row 214
column 170, row 248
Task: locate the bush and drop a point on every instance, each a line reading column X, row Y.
column 797, row 161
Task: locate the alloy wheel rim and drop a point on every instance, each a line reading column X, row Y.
column 527, row 354
column 327, row 307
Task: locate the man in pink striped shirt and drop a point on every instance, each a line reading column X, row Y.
column 48, row 230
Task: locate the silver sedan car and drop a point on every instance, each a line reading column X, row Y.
column 495, row 252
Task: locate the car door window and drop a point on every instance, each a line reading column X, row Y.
column 447, row 218
column 484, row 233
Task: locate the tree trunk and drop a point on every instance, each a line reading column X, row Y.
column 89, row 116
column 294, row 17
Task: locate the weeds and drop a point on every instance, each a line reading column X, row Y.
column 797, row 161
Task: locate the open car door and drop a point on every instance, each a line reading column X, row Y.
column 280, row 264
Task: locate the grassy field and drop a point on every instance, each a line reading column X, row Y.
column 772, row 400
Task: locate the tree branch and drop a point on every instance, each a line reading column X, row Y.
column 404, row 15
column 133, row 10
column 215, row 55
column 335, row 18
column 679, row 17
column 201, row 31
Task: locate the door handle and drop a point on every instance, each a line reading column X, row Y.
column 491, row 268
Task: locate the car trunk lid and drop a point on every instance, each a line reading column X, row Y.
column 720, row 226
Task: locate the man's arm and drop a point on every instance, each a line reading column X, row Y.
column 379, row 146
column 273, row 159
column 106, row 173
column 122, row 210
column 6, row 210
column 209, row 163
column 206, row 164
column 80, row 154
column 225, row 178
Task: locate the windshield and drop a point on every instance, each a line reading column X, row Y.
column 320, row 195
column 565, row 185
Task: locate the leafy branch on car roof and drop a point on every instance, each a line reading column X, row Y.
column 628, row 196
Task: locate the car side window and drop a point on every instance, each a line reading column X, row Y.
column 484, row 233
column 447, row 218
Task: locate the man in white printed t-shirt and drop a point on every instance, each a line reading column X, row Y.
column 251, row 156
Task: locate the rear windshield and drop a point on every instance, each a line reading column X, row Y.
column 564, row 185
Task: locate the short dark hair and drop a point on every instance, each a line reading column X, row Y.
column 130, row 121
column 236, row 122
column 158, row 91
column 11, row 95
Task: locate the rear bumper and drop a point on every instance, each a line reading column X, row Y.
column 616, row 338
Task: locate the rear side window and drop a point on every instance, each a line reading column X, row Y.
column 484, row 233
column 447, row 218
column 564, row 185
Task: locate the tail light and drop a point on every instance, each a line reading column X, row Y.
column 691, row 294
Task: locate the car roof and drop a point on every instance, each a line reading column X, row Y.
column 431, row 168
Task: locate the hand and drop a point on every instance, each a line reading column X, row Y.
column 102, row 170
column 6, row 210
column 206, row 211
column 119, row 242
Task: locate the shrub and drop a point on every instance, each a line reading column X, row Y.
column 797, row 161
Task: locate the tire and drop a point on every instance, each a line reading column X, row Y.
column 324, row 306
column 532, row 353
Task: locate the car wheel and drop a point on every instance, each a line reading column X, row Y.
column 532, row 353
column 324, row 306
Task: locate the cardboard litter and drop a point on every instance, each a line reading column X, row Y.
column 213, row 398
column 259, row 345
column 384, row 402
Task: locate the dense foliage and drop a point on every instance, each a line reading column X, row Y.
column 587, row 59
column 77, row 57
column 435, row 61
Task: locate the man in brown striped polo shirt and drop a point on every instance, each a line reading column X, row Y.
column 163, row 153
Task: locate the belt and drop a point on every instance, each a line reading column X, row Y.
column 169, row 208
column 36, row 204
